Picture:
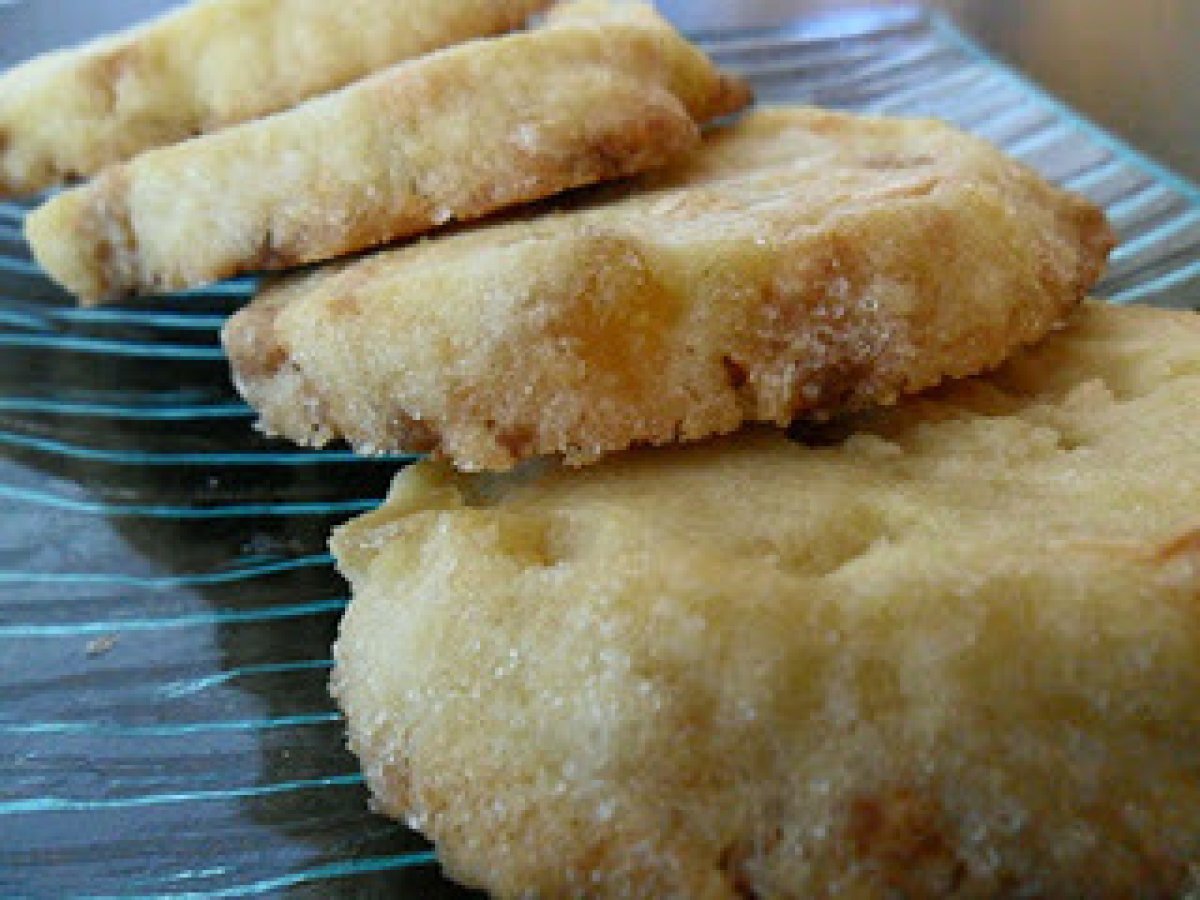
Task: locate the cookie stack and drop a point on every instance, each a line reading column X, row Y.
column 625, row 635
column 210, row 65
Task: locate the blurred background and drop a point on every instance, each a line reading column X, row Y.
column 1132, row 65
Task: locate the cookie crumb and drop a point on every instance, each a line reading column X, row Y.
column 101, row 645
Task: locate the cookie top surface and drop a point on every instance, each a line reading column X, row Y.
column 601, row 90
column 800, row 262
column 70, row 113
column 955, row 646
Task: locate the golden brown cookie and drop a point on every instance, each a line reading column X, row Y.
column 602, row 90
column 800, row 262
column 955, row 653
column 208, row 65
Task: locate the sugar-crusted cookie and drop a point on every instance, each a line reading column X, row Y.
column 800, row 263
column 602, row 90
column 955, row 653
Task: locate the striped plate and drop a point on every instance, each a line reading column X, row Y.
column 166, row 602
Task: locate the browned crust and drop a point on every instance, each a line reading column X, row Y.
column 1186, row 546
column 263, row 360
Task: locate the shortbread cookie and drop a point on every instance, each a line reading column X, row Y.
column 801, row 262
column 211, row 64
column 603, row 90
column 954, row 654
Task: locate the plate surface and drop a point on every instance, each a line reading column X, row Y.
column 166, row 601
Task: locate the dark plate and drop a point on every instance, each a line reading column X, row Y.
column 166, row 601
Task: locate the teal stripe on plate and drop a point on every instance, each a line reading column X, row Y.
column 193, row 686
column 346, row 869
column 166, row 511
column 120, row 626
column 127, row 349
column 168, row 413
column 298, row 457
column 93, row 315
column 167, row 582
column 183, row 729
column 67, row 804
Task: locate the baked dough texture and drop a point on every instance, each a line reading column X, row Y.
column 799, row 262
column 955, row 653
column 207, row 65
column 602, row 90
